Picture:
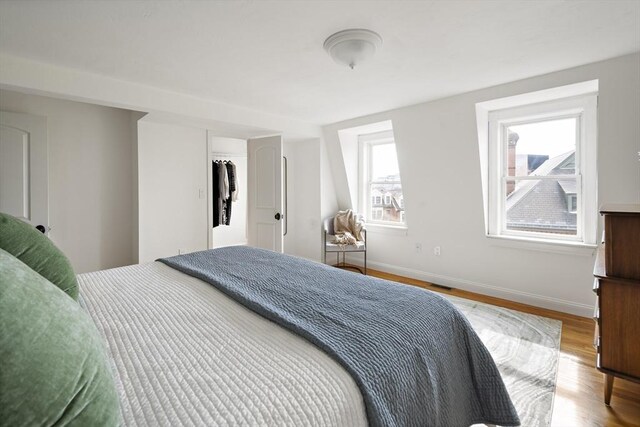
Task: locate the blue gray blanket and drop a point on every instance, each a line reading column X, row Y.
column 415, row 358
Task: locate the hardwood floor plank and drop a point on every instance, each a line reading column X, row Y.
column 579, row 389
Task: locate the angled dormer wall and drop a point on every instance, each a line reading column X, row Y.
column 437, row 147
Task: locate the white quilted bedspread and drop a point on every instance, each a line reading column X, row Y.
column 185, row 354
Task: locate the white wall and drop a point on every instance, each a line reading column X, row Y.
column 135, row 229
column 290, row 239
column 328, row 192
column 73, row 84
column 329, row 201
column 90, row 178
column 236, row 232
column 438, row 157
column 172, row 172
column 304, row 205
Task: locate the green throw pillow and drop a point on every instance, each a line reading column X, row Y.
column 38, row 252
column 53, row 367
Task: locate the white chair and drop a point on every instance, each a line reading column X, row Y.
column 330, row 247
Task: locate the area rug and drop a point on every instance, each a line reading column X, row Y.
column 526, row 349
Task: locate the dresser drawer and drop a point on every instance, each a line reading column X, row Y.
column 619, row 326
column 622, row 245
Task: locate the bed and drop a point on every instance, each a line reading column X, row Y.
column 189, row 344
column 184, row 353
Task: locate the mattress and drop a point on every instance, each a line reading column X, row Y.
column 183, row 353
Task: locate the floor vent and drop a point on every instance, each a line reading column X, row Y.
column 442, row 287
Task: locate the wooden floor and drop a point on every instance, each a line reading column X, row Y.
column 579, row 393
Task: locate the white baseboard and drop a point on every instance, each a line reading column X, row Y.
column 490, row 290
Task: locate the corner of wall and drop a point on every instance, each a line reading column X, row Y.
column 135, row 116
column 328, row 192
column 334, row 168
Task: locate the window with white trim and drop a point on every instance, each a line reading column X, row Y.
column 380, row 188
column 376, row 214
column 542, row 171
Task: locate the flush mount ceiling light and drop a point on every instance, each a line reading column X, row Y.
column 352, row 47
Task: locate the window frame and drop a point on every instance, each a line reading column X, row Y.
column 584, row 109
column 365, row 144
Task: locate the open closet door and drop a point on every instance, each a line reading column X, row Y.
column 265, row 215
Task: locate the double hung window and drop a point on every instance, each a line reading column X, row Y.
column 542, row 171
column 381, row 188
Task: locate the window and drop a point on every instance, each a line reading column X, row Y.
column 542, row 175
column 380, row 188
column 572, row 203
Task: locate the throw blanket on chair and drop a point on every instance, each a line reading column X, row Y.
column 347, row 228
column 414, row 356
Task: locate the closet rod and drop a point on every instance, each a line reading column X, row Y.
column 228, row 155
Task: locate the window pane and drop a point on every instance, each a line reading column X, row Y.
column 386, row 197
column 542, row 206
column 542, row 148
column 376, row 214
column 386, row 206
column 384, row 163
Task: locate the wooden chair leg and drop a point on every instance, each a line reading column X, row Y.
column 608, row 388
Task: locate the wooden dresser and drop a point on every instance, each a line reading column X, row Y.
column 617, row 284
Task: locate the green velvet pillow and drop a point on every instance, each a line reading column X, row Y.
column 38, row 252
column 53, row 367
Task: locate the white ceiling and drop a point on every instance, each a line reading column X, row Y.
column 268, row 55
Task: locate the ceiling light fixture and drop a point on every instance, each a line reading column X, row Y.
column 352, row 47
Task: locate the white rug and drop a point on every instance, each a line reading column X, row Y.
column 526, row 350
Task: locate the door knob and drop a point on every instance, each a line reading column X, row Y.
column 277, row 217
column 41, row 228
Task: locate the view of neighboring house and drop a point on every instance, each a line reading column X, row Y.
column 546, row 205
column 387, row 202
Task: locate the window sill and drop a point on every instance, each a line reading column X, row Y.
column 569, row 248
column 395, row 230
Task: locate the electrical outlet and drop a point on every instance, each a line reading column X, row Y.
column 436, row 251
column 418, row 248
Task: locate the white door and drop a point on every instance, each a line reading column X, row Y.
column 24, row 168
column 265, row 216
